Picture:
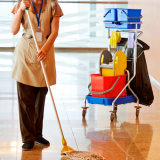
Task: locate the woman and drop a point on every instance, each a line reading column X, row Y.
column 27, row 71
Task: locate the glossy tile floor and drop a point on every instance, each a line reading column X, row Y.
column 127, row 138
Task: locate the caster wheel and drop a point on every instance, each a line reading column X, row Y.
column 137, row 112
column 115, row 107
column 84, row 113
column 112, row 117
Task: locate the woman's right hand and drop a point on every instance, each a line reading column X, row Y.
column 24, row 4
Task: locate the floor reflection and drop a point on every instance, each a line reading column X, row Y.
column 84, row 124
column 117, row 144
column 65, row 158
column 34, row 154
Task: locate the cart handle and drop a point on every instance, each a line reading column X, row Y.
column 106, row 13
column 101, row 93
column 130, row 17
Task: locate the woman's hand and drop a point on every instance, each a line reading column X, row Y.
column 41, row 55
column 54, row 33
column 25, row 4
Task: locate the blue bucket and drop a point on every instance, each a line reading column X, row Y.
column 127, row 15
column 110, row 14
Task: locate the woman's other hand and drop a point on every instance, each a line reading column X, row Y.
column 41, row 55
column 24, row 4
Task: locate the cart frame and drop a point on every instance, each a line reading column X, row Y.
column 114, row 107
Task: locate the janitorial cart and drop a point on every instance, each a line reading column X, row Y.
column 110, row 85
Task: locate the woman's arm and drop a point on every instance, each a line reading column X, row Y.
column 16, row 22
column 54, row 33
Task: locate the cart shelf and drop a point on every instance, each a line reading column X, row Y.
column 108, row 101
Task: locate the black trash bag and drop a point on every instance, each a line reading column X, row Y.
column 141, row 84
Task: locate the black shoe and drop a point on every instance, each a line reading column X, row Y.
column 42, row 141
column 28, row 145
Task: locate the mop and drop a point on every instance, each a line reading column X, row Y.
column 66, row 150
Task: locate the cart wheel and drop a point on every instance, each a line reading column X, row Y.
column 137, row 112
column 83, row 113
column 112, row 117
column 115, row 107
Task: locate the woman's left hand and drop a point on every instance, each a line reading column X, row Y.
column 41, row 55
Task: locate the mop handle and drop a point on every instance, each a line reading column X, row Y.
column 45, row 75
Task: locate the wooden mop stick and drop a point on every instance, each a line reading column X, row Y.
column 45, row 75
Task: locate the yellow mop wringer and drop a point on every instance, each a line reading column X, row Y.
column 66, row 150
column 115, row 67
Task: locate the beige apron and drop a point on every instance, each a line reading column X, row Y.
column 27, row 69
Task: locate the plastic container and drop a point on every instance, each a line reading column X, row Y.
column 121, row 17
column 101, row 84
column 110, row 14
column 108, row 101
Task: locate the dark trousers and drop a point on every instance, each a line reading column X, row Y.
column 31, row 107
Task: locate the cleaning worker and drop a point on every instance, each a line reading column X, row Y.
column 27, row 71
